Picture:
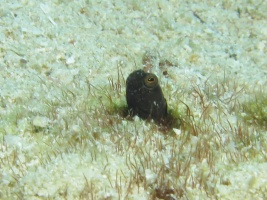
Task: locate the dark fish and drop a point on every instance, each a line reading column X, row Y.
column 144, row 96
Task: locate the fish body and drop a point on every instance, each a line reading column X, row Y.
column 144, row 96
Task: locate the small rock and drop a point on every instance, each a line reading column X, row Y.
column 40, row 122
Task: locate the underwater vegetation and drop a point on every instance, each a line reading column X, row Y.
column 118, row 156
column 255, row 110
column 83, row 126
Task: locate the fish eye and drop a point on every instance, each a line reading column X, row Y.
column 151, row 80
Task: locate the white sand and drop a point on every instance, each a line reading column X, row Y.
column 59, row 138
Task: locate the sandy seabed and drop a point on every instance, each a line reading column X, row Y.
column 63, row 69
